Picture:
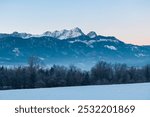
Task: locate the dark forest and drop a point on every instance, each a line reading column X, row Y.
column 36, row 76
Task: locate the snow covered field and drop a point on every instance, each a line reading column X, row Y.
column 105, row 92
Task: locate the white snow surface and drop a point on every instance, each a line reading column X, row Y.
column 110, row 47
column 99, row 92
column 16, row 51
column 140, row 55
column 90, row 42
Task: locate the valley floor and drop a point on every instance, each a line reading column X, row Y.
column 102, row 92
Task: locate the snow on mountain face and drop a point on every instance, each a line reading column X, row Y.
column 16, row 51
column 65, row 34
column 110, row 47
column 47, row 33
column 90, row 42
column 92, row 34
column 22, row 35
column 140, row 55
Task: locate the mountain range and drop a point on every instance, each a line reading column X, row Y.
column 70, row 47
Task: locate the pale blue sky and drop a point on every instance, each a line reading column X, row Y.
column 128, row 20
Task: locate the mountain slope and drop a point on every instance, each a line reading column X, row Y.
column 70, row 46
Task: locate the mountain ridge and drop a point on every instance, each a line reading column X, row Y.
column 82, row 49
column 62, row 34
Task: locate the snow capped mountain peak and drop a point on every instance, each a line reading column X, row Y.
column 22, row 35
column 92, row 34
column 76, row 32
column 62, row 34
column 76, row 29
column 65, row 34
column 47, row 33
column 15, row 33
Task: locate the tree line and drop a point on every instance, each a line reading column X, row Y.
column 34, row 76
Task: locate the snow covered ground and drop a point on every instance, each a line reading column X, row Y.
column 105, row 92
